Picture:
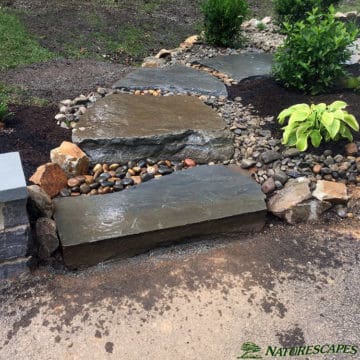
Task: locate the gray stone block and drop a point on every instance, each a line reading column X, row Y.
column 123, row 127
column 11, row 269
column 14, row 242
column 187, row 204
column 176, row 78
column 14, row 213
column 11, row 187
column 240, row 66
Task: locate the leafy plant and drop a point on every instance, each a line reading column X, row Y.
column 314, row 52
column 316, row 122
column 222, row 20
column 292, row 11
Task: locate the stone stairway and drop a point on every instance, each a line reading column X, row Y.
column 200, row 201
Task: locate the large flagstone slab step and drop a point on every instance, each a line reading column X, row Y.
column 123, row 127
column 240, row 66
column 187, row 204
column 176, row 78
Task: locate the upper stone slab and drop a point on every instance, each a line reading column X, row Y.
column 240, row 66
column 12, row 179
column 176, row 78
column 204, row 200
column 123, row 127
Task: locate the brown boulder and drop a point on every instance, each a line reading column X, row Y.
column 70, row 158
column 50, row 177
column 351, row 149
column 295, row 192
column 335, row 192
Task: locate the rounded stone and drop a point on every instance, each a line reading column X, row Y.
column 189, row 162
column 146, row 176
column 164, row 170
column 85, row 188
column 65, row 192
column 127, row 181
column 72, row 182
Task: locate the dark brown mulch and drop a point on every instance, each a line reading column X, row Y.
column 33, row 132
column 268, row 98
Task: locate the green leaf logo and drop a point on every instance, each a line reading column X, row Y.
column 250, row 351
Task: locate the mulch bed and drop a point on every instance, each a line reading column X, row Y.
column 33, row 132
column 268, row 98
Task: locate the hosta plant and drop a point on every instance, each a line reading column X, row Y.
column 316, row 123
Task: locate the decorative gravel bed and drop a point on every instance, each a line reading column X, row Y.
column 105, row 178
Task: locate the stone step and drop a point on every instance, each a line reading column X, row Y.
column 240, row 66
column 123, row 127
column 176, row 78
column 187, row 204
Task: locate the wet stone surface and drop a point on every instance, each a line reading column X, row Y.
column 199, row 201
column 123, row 127
column 240, row 66
column 176, row 78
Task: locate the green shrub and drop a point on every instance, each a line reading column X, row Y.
column 316, row 122
column 222, row 20
column 314, row 52
column 295, row 10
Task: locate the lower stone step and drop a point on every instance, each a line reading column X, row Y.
column 187, row 204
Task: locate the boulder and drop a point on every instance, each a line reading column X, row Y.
column 70, row 158
column 123, row 127
column 46, row 237
column 335, row 192
column 39, row 202
column 308, row 211
column 294, row 193
column 50, row 177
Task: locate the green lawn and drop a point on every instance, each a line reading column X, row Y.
column 17, row 47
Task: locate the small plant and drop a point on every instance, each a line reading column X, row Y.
column 292, row 11
column 260, row 26
column 314, row 52
column 316, row 122
column 222, row 20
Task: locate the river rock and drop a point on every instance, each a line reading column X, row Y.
column 123, row 127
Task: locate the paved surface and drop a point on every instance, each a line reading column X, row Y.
column 176, row 78
column 240, row 66
column 197, row 201
column 286, row 286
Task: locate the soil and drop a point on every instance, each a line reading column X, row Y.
column 63, row 79
column 33, row 132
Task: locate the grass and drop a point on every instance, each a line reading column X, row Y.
column 349, row 5
column 17, row 47
column 18, row 95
